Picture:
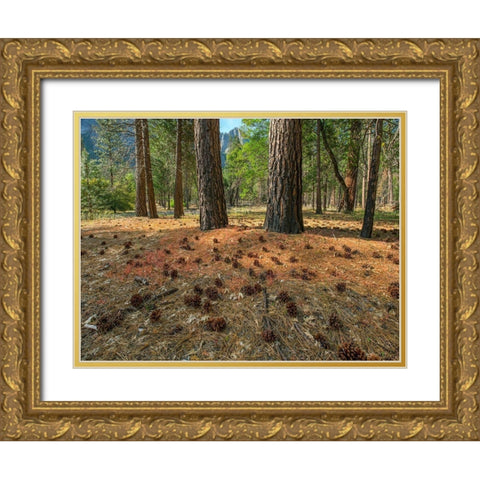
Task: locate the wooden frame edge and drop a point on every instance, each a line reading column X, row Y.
column 25, row 417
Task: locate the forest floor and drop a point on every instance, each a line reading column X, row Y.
column 161, row 290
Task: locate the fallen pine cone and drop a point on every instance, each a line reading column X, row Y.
column 292, row 309
column 322, row 339
column 394, row 290
column 284, row 296
column 109, row 321
column 268, row 336
column 216, row 324
column 155, row 316
column 351, row 351
column 136, row 300
column 334, row 322
column 193, row 301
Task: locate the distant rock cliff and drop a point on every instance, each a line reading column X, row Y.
column 226, row 141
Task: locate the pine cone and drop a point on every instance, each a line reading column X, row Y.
column 248, row 290
column 109, row 321
column 322, row 339
column 334, row 322
column 394, row 290
column 292, row 309
column 351, row 351
column 268, row 336
column 193, row 301
column 155, row 316
column 212, row 293
column 284, row 297
column 136, row 300
column 216, row 324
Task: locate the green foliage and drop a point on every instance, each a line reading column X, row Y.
column 162, row 152
column 246, row 168
column 107, row 182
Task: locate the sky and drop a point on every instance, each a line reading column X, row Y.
column 226, row 124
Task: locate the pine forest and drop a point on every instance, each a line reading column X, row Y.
column 240, row 239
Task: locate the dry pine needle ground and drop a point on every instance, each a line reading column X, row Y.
column 163, row 290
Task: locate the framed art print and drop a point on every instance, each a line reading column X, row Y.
column 239, row 239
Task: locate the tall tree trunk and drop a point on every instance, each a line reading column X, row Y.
column 152, row 208
column 318, row 206
column 367, row 167
column 390, row 185
column 367, row 226
column 284, row 204
column 351, row 173
column 333, row 158
column 364, row 185
column 178, row 199
column 325, row 188
column 141, row 193
column 211, row 195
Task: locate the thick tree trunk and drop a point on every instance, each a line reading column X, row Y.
column 284, row 204
column 318, row 206
column 367, row 227
column 178, row 199
column 351, row 173
column 141, row 193
column 211, row 196
column 152, row 208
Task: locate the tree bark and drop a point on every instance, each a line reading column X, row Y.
column 318, row 206
column 367, row 226
column 141, row 193
column 390, row 185
column 178, row 199
column 332, row 156
column 351, row 173
column 284, row 204
column 152, row 208
column 211, row 195
column 367, row 167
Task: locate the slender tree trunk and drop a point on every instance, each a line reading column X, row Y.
column 333, row 158
column 351, row 173
column 367, row 167
column 367, row 227
column 141, row 193
column 390, row 185
column 318, row 206
column 364, row 185
column 284, row 204
column 178, row 199
column 152, row 208
column 325, row 188
column 211, row 195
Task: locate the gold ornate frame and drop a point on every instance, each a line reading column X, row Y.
column 24, row 416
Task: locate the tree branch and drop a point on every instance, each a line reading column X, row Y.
column 332, row 157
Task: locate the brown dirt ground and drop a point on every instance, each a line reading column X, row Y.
column 310, row 267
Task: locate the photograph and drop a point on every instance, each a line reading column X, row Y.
column 246, row 238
